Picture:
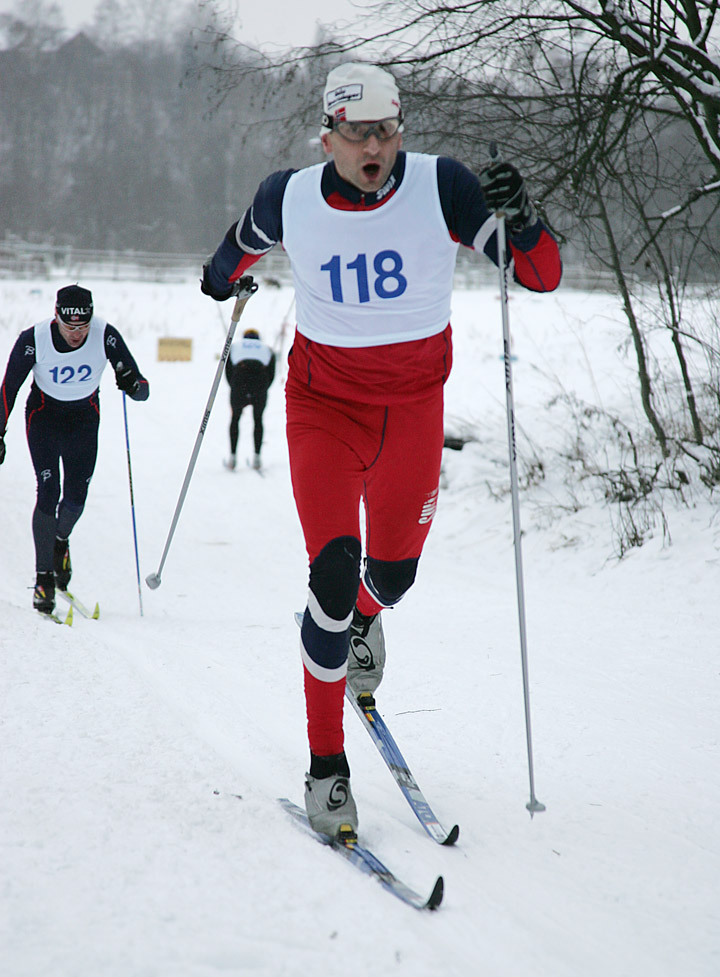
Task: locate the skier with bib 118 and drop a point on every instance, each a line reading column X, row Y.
column 67, row 355
column 372, row 237
column 250, row 369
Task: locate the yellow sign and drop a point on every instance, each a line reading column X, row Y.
column 174, row 349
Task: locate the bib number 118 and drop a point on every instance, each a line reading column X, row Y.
column 388, row 283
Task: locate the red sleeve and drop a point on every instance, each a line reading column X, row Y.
column 540, row 268
column 241, row 268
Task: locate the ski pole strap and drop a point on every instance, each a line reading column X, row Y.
column 243, row 288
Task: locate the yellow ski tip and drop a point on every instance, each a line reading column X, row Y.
column 69, row 619
column 96, row 612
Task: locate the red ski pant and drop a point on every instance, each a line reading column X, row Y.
column 343, row 453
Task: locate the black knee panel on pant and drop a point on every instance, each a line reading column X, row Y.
column 388, row 580
column 335, row 576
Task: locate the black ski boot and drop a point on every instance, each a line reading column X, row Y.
column 61, row 563
column 44, row 595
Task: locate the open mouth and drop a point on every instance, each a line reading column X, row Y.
column 371, row 170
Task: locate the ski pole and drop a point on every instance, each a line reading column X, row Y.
column 132, row 502
column 245, row 288
column 534, row 804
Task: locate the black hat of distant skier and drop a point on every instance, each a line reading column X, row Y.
column 74, row 305
column 251, row 334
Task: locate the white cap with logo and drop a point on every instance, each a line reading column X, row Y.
column 357, row 92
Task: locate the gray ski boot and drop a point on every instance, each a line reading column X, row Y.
column 366, row 659
column 328, row 800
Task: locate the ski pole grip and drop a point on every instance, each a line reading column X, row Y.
column 243, row 289
column 494, row 154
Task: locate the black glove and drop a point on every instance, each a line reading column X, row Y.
column 208, row 289
column 2, row 448
column 127, row 379
column 504, row 189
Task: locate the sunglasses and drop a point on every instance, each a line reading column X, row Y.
column 73, row 326
column 383, row 130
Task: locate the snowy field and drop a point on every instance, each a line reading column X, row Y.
column 143, row 755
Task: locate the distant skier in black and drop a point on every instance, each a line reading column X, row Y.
column 250, row 369
column 67, row 355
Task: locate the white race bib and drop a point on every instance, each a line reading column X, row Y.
column 373, row 277
column 73, row 375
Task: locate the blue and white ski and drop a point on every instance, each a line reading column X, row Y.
column 364, row 706
column 363, row 859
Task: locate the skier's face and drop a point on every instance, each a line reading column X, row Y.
column 366, row 164
column 74, row 336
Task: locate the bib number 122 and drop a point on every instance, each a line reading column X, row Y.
column 388, row 283
column 67, row 373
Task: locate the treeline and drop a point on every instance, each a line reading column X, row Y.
column 152, row 131
column 126, row 147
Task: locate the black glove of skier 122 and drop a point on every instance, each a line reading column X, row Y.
column 504, row 189
column 127, row 379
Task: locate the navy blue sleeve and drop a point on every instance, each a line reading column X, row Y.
column 261, row 224
column 534, row 250
column 461, row 199
column 20, row 363
column 117, row 351
column 258, row 230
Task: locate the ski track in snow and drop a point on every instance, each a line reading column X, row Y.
column 142, row 756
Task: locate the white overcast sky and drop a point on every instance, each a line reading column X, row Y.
column 283, row 22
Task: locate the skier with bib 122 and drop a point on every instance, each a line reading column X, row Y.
column 66, row 354
column 372, row 236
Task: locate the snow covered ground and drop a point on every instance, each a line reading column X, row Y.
column 143, row 755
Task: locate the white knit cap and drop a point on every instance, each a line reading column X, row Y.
column 359, row 92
